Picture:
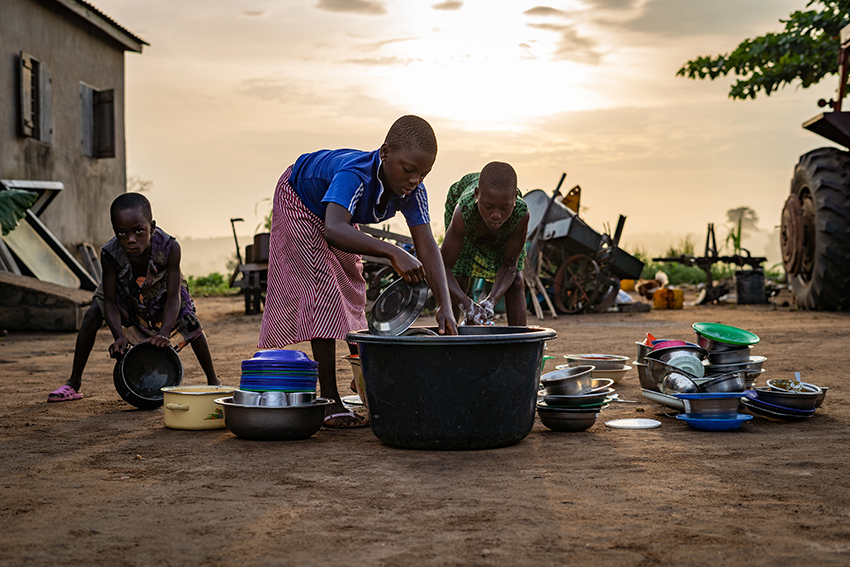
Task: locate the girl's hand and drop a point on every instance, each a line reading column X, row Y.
column 119, row 347
column 446, row 323
column 160, row 341
column 408, row 267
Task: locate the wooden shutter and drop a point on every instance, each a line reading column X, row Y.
column 104, row 123
column 45, row 119
column 87, row 120
column 26, row 95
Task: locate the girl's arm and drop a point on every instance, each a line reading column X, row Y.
column 450, row 251
column 341, row 235
column 110, row 308
column 507, row 273
column 172, row 298
column 435, row 270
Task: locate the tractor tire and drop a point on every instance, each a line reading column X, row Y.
column 815, row 231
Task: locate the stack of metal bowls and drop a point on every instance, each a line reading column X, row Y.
column 712, row 411
column 785, row 399
column 572, row 399
column 729, row 351
column 605, row 366
column 276, row 399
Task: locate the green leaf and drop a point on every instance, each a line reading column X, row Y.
column 805, row 51
column 13, row 207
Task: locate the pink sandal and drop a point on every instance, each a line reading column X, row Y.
column 64, row 393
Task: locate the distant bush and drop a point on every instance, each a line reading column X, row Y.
column 679, row 273
column 211, row 284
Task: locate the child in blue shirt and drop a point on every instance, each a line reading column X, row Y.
column 315, row 290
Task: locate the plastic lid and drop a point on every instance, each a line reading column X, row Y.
column 726, row 334
column 634, row 423
column 282, row 355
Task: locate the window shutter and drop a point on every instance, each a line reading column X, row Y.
column 45, row 119
column 87, row 120
column 104, row 122
column 26, row 95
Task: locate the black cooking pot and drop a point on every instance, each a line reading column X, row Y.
column 475, row 390
column 143, row 371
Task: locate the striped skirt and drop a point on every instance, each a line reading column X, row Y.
column 313, row 291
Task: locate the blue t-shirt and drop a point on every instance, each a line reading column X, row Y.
column 350, row 178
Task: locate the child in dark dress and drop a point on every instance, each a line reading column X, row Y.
column 143, row 296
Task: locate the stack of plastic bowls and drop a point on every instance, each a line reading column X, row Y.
column 279, row 371
column 712, row 411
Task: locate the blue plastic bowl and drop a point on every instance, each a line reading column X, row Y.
column 715, row 424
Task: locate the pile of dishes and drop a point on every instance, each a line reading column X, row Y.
column 605, row 366
column 729, row 351
column 785, row 399
column 276, row 399
column 572, row 398
column 279, row 371
column 712, row 411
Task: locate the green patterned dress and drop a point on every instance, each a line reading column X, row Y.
column 480, row 256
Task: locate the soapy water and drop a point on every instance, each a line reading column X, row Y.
column 479, row 314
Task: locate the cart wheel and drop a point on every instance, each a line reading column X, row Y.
column 577, row 284
column 375, row 288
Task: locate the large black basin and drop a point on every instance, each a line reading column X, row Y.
column 476, row 390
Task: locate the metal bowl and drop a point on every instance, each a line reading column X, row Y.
column 558, row 419
column 793, row 400
column 657, row 370
column 751, row 365
column 397, row 308
column 679, row 381
column 600, row 361
column 568, row 381
column 731, row 356
column 666, row 354
column 643, row 376
column 731, row 382
column 578, row 401
column 714, row 346
column 143, row 371
column 246, row 397
column 270, row 423
column 791, row 386
column 711, row 405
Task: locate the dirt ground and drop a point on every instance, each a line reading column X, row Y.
column 97, row 482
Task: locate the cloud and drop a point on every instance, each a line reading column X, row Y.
column 383, row 61
column 375, row 46
column 610, row 4
column 545, row 11
column 280, row 90
column 448, row 6
column 366, row 7
column 253, row 13
column 572, row 46
column 674, row 18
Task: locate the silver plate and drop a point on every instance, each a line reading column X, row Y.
column 397, row 308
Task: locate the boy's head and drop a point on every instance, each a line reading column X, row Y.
column 407, row 154
column 132, row 222
column 496, row 193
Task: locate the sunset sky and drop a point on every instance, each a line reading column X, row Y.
column 229, row 93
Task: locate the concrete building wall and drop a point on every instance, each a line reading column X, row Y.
column 75, row 51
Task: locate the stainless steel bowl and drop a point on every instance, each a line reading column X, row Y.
column 274, row 399
column 754, row 363
column 246, row 398
column 568, row 381
column 642, row 350
column 731, row 382
column 658, row 370
column 714, row 346
column 791, row 386
column 731, row 356
column 558, row 419
column 643, row 376
column 301, row 398
column 679, row 381
column 273, row 423
column 600, row 361
column 793, row 400
column 711, row 405
column 666, row 354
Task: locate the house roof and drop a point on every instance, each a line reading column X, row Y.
column 113, row 29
